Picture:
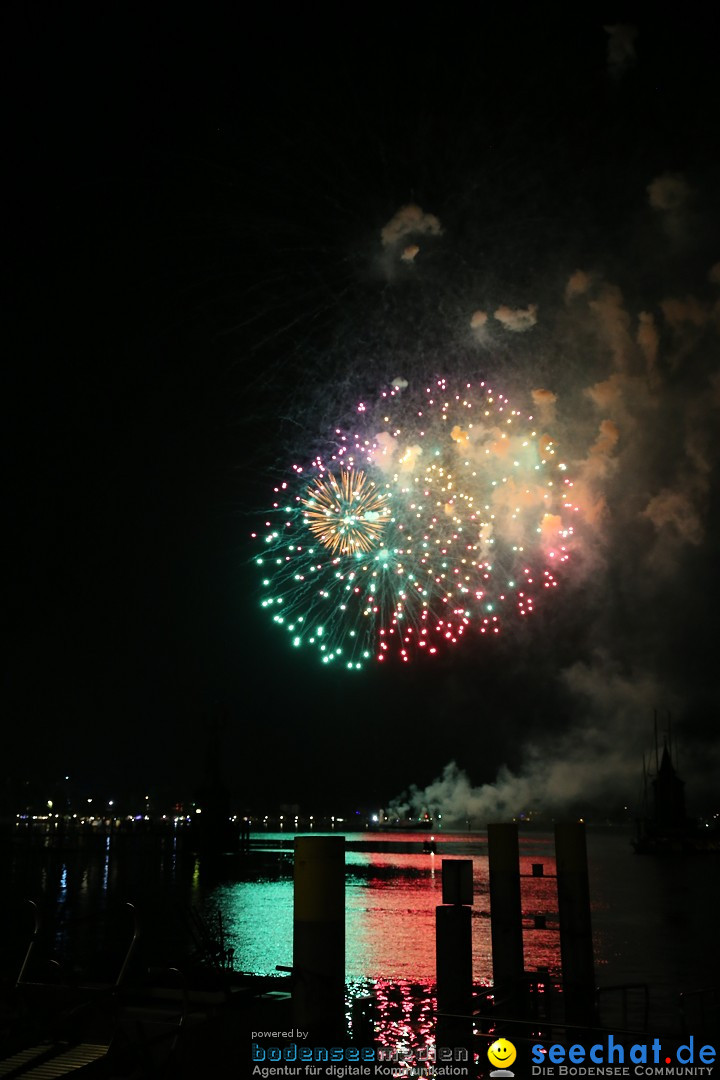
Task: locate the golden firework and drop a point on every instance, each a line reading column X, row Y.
column 347, row 514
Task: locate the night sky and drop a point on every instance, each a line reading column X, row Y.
column 198, row 293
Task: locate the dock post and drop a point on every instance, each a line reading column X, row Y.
column 506, row 920
column 319, row 935
column 576, row 947
column 453, row 951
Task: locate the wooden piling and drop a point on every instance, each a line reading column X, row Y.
column 576, row 947
column 506, row 919
column 453, row 950
column 319, row 935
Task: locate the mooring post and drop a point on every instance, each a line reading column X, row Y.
column 576, row 947
column 506, row 920
column 319, row 935
column 453, row 950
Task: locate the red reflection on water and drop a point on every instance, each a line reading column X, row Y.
column 403, row 1015
column 392, row 895
column 406, row 1014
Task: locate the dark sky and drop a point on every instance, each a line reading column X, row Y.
column 196, row 295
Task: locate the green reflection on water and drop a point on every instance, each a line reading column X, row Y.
column 258, row 922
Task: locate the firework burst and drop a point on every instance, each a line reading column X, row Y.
column 346, row 515
column 435, row 517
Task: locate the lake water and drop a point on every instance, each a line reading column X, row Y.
column 655, row 920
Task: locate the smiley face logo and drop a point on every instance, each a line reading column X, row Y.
column 502, row 1053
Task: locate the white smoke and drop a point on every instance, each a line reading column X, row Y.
column 644, row 463
column 603, row 752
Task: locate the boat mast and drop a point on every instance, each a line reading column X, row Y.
column 657, row 759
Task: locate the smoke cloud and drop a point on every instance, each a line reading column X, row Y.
column 409, row 221
column 670, row 196
column 602, row 753
column 632, row 399
column 620, row 47
column 518, row 320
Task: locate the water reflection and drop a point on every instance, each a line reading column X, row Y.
column 654, row 920
column 414, row 1006
column 257, row 917
column 391, row 897
column 106, row 864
